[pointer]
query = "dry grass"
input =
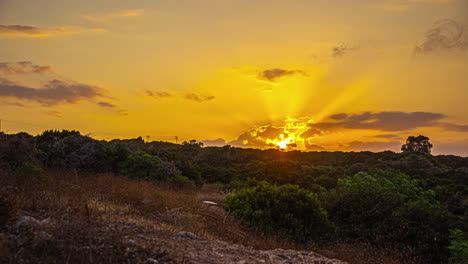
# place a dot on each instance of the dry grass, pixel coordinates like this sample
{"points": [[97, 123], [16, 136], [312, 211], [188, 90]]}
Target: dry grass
{"points": [[82, 206]]}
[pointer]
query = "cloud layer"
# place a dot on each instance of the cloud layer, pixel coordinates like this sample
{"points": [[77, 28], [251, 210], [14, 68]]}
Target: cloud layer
{"points": [[385, 121], [377, 131]]}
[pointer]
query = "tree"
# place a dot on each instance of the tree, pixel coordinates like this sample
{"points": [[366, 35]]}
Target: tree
{"points": [[419, 144]]}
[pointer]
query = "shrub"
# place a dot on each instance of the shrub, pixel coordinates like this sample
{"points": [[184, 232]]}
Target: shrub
{"points": [[389, 208], [285, 210], [181, 181], [142, 165], [458, 247], [29, 171]]}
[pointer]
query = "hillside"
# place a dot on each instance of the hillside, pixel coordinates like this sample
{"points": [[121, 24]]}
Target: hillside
{"points": [[109, 219], [72, 198]]}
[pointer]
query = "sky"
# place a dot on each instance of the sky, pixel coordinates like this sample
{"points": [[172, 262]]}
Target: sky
{"points": [[311, 75]]}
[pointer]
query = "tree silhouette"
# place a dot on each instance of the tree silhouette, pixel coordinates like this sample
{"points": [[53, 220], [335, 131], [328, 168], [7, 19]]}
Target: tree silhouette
{"points": [[419, 144]]}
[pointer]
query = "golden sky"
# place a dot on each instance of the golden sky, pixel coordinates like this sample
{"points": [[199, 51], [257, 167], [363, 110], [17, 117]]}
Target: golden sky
{"points": [[301, 74]]}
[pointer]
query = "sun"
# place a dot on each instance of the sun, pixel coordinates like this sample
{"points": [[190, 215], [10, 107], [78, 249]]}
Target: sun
{"points": [[283, 143]]}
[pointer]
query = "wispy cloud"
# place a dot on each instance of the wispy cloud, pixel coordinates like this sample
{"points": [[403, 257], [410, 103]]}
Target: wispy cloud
{"points": [[199, 98], [341, 50], [127, 13], [446, 34], [274, 74], [106, 104], [23, 67], [158, 94], [18, 31]]}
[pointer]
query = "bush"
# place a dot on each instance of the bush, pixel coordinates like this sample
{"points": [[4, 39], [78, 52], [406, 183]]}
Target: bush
{"points": [[390, 209], [286, 210], [142, 165], [458, 247], [181, 182], [29, 171]]}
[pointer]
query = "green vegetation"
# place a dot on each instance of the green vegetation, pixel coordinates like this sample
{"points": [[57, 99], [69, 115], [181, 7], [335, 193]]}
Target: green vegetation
{"points": [[411, 202], [285, 210]]}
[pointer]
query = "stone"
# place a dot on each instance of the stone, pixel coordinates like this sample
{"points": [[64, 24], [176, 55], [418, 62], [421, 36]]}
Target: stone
{"points": [[187, 235]]}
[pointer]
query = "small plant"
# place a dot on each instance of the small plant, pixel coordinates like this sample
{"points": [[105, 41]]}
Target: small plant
{"points": [[157, 195], [29, 171]]}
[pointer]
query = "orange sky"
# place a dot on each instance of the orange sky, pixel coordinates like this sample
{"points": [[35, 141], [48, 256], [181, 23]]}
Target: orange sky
{"points": [[310, 75]]}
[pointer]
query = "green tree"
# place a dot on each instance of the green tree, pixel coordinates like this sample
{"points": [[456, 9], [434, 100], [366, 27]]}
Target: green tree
{"points": [[419, 144]]}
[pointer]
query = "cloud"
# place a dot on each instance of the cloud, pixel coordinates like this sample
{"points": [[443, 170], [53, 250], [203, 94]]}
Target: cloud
{"points": [[214, 143], [110, 16], [341, 50], [106, 104], [23, 67], [273, 74], [54, 113], [52, 93], [160, 94], [21, 30], [454, 127], [14, 31], [388, 136], [199, 98], [446, 34], [385, 121]]}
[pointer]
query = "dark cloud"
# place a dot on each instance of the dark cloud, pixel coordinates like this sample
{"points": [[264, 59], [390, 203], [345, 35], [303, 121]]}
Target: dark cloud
{"points": [[160, 94], [19, 29], [388, 136], [199, 98], [53, 93], [446, 34], [341, 50], [341, 116], [214, 143], [274, 74], [454, 127], [106, 104], [385, 121], [314, 147], [22, 67]]}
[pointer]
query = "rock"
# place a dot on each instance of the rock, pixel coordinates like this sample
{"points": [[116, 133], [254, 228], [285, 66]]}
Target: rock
{"points": [[146, 201], [131, 243], [28, 223], [151, 261], [185, 234]]}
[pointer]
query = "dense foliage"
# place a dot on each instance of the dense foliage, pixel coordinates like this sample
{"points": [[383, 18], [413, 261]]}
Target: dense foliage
{"points": [[412, 200], [285, 210]]}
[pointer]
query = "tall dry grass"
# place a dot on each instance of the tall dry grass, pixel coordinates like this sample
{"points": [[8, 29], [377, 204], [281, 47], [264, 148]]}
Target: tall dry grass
{"points": [[82, 209]]}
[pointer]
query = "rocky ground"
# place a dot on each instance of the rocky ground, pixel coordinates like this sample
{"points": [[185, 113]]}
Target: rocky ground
{"points": [[131, 243]]}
